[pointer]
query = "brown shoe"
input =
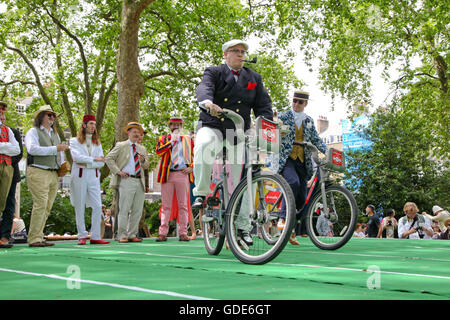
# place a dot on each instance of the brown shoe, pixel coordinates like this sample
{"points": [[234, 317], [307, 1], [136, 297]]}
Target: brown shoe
{"points": [[123, 240], [40, 244], [135, 239], [184, 237], [161, 238]]}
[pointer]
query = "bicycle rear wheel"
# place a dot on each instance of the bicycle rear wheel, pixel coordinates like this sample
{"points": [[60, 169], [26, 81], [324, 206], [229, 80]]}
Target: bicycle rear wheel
{"points": [[331, 230], [269, 190], [213, 225]]}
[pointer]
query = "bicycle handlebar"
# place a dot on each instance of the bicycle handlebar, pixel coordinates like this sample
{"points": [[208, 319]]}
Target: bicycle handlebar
{"points": [[233, 116], [315, 151]]}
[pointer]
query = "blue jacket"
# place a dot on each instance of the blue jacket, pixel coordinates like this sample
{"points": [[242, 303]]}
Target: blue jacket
{"points": [[309, 134]]}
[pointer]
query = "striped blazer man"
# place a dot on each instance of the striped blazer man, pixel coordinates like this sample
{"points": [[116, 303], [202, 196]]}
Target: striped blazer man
{"points": [[164, 150]]}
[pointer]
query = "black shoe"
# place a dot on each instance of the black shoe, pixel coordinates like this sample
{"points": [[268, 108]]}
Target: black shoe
{"points": [[245, 236], [198, 203]]}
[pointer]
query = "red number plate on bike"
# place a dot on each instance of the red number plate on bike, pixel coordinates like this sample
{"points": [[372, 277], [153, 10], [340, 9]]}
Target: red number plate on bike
{"points": [[337, 157], [269, 131]]}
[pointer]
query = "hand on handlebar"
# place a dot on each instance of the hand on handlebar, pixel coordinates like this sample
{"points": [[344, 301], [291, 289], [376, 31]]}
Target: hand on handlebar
{"points": [[214, 109]]}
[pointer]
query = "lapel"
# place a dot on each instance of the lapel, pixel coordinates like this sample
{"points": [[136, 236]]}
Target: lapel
{"points": [[243, 79], [228, 76]]}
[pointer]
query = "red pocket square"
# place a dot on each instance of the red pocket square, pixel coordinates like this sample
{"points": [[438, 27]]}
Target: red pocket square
{"points": [[251, 86]]}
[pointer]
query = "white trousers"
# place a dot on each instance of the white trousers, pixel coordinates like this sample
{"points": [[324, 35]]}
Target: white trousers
{"points": [[208, 144], [85, 192]]}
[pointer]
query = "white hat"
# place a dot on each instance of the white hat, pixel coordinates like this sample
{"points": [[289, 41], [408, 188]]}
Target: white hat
{"points": [[233, 43], [436, 209]]}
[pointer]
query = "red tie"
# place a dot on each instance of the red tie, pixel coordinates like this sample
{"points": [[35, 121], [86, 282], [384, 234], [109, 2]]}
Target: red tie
{"points": [[137, 165], [237, 73]]}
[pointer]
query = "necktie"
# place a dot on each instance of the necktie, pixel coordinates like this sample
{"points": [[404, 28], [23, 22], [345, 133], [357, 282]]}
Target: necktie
{"points": [[137, 165], [236, 73]]}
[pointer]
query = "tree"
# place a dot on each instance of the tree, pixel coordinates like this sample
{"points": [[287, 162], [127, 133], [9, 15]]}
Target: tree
{"points": [[399, 166], [350, 37], [81, 63]]}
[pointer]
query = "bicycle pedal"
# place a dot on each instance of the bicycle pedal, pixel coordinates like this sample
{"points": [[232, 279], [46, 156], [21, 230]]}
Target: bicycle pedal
{"points": [[243, 245], [213, 201]]}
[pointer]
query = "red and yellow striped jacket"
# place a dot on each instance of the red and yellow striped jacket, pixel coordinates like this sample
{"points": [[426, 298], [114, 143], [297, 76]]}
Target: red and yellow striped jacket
{"points": [[4, 137], [164, 150]]}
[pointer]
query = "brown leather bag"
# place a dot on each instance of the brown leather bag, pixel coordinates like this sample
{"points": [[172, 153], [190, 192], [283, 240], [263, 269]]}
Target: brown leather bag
{"points": [[65, 167]]}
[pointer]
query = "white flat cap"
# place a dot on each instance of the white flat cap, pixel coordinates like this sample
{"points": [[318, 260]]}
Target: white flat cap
{"points": [[233, 43]]}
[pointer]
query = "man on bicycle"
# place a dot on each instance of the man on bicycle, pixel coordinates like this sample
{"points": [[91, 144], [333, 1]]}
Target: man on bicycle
{"points": [[295, 163], [240, 89]]}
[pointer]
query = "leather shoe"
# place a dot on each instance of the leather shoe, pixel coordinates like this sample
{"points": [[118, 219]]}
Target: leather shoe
{"points": [[184, 237], [5, 244], [81, 241], [198, 203], [123, 240], [40, 244], [135, 239], [98, 242], [161, 238]]}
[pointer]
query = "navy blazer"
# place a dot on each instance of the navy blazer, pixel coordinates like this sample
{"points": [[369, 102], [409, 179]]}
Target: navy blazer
{"points": [[248, 93], [16, 159]]}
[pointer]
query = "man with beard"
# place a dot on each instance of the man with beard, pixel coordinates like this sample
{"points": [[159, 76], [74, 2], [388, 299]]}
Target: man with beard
{"points": [[45, 156], [175, 176]]}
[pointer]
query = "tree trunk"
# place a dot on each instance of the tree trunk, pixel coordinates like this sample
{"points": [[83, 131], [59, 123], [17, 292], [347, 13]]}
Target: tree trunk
{"points": [[130, 85]]}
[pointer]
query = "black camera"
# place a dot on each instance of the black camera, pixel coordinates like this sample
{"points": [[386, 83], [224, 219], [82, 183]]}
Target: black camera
{"points": [[389, 223]]}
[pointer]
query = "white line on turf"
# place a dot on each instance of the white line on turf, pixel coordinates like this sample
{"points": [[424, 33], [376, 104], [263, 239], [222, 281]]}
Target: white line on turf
{"points": [[114, 285]]}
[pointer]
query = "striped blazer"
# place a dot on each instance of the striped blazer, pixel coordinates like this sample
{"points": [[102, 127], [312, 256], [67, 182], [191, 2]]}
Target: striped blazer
{"points": [[164, 150]]}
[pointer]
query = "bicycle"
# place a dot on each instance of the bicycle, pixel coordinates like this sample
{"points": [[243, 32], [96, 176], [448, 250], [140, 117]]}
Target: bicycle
{"points": [[224, 212], [332, 215]]}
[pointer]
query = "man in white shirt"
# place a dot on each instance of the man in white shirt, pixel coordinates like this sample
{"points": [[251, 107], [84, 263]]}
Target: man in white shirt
{"points": [[413, 225], [45, 156], [9, 147]]}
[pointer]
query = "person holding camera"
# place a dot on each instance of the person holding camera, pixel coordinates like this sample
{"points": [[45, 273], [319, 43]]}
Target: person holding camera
{"points": [[413, 225], [389, 224]]}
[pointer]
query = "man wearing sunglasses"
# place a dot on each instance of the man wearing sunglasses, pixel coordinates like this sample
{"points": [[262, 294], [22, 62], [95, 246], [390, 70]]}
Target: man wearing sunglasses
{"points": [[45, 156], [235, 87], [295, 163], [9, 148]]}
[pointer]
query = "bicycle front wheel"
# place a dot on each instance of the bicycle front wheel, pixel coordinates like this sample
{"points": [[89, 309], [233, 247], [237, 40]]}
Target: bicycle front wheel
{"points": [[269, 192], [331, 230]]}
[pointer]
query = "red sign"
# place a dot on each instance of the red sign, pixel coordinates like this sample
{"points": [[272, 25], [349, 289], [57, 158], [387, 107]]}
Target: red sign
{"points": [[272, 196], [269, 131], [336, 157]]}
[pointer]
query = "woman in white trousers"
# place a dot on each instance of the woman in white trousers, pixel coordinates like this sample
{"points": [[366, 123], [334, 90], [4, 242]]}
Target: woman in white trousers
{"points": [[87, 155]]}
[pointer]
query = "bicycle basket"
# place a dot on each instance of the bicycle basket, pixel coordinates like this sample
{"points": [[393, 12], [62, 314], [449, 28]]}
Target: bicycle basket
{"points": [[335, 160], [267, 135]]}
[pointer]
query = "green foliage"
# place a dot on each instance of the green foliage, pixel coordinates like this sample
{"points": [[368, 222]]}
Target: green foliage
{"points": [[399, 167]]}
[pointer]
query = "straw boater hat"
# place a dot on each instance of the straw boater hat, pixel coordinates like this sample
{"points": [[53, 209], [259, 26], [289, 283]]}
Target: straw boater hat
{"points": [[233, 43], [300, 94], [44, 108], [447, 222], [132, 125]]}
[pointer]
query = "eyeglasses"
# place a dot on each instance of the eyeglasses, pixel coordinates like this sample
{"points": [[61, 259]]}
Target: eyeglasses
{"points": [[50, 115], [299, 101], [238, 51]]}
